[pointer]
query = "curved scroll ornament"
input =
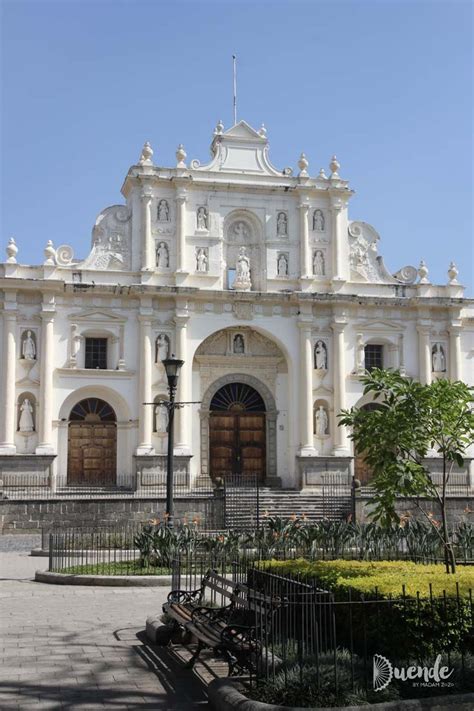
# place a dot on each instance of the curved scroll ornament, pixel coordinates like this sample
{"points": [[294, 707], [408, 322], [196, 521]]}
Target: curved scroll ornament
{"points": [[195, 164], [110, 240], [406, 275], [64, 255], [363, 251]]}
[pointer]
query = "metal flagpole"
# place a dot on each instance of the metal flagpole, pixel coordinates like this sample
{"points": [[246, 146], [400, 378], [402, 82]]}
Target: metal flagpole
{"points": [[234, 60]]}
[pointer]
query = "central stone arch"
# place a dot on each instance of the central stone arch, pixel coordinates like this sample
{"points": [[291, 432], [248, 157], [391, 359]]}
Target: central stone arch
{"points": [[270, 416]]}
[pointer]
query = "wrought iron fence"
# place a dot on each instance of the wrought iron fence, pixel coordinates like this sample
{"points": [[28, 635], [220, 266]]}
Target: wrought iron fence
{"points": [[241, 501]]}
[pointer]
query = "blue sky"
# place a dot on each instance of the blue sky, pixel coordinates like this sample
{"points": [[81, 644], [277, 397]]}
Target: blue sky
{"points": [[386, 85]]}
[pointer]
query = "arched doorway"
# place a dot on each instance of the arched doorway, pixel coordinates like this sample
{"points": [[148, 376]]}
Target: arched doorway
{"points": [[237, 432], [92, 444]]}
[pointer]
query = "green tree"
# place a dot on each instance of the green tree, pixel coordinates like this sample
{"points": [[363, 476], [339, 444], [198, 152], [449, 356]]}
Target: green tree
{"points": [[396, 438]]}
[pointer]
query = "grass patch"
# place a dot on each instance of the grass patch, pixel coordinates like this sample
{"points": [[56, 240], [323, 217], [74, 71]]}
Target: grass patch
{"points": [[115, 568]]}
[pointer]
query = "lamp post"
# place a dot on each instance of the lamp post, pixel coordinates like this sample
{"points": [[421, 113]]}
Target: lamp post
{"points": [[172, 367]]}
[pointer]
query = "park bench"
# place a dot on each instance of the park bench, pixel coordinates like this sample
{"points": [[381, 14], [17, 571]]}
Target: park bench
{"points": [[233, 631]]}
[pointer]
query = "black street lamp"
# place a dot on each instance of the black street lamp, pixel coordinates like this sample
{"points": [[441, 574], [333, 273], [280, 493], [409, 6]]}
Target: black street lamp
{"points": [[172, 367]]}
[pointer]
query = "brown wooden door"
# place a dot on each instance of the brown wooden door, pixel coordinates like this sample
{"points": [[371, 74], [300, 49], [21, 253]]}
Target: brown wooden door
{"points": [[92, 454], [237, 444]]}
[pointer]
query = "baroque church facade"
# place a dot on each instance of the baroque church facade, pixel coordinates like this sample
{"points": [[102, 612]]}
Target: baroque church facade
{"points": [[260, 282]]}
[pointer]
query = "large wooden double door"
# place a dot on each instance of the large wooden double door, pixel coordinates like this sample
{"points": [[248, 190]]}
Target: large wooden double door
{"points": [[237, 444], [92, 445]]}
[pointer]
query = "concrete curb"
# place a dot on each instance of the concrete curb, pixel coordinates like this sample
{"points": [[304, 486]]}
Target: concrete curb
{"points": [[226, 695], [39, 552], [138, 581]]}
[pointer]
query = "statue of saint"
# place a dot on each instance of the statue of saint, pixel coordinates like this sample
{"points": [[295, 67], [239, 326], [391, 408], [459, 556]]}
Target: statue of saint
{"points": [[318, 263], [282, 265], [321, 421], [318, 221], [201, 260], [161, 419], [438, 359], [243, 266], [28, 349], [239, 345], [26, 423], [163, 211], [162, 256], [240, 231], [320, 356], [162, 348], [201, 218], [282, 224]]}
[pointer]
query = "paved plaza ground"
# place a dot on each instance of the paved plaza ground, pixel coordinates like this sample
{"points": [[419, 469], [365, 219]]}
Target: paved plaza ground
{"points": [[69, 647]]}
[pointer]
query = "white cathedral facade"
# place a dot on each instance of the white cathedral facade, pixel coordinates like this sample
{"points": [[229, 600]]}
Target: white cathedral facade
{"points": [[255, 277]]}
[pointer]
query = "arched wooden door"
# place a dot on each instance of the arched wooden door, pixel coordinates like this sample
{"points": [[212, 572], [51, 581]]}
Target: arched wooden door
{"points": [[237, 432], [92, 444]]}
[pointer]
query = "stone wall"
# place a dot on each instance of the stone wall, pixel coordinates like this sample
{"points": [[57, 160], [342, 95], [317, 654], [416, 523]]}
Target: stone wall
{"points": [[32, 516], [459, 508]]}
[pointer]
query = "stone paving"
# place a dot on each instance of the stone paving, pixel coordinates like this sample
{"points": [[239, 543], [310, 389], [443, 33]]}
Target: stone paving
{"points": [[68, 647]]}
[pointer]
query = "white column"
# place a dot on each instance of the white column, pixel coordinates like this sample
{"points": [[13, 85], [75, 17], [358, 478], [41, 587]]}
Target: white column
{"points": [[401, 355], [45, 440], [144, 388], [184, 419], [180, 230], [7, 444], [341, 447], [424, 351], [306, 390], [148, 261], [304, 240], [455, 367], [337, 271]]}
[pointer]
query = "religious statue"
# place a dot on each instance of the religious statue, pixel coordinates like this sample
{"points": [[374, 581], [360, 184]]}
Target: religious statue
{"points": [[161, 418], [201, 260], [321, 419], [28, 348], [318, 263], [318, 221], [242, 277], [201, 218], [320, 356], [438, 359], [162, 348], [26, 422], [240, 231], [162, 256], [239, 344], [282, 224], [163, 211], [282, 265]]}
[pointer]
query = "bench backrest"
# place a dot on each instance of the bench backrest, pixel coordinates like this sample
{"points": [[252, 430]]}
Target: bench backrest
{"points": [[222, 590]]}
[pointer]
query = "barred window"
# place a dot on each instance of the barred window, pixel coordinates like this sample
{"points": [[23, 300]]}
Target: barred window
{"points": [[96, 353], [373, 356]]}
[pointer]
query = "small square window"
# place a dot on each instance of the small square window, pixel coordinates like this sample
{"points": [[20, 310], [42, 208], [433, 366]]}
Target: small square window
{"points": [[373, 356], [96, 353]]}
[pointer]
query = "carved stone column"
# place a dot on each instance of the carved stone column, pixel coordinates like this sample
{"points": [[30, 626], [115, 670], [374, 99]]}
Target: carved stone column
{"points": [[341, 447], [424, 353], [148, 260], [306, 390], [401, 355], [181, 230], [121, 347], [144, 390], [336, 239], [7, 443], [304, 240], [455, 366], [184, 433], [45, 440]]}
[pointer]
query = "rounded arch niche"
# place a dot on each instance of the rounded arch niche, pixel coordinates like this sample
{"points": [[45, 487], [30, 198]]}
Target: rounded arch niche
{"points": [[242, 228], [247, 414]]}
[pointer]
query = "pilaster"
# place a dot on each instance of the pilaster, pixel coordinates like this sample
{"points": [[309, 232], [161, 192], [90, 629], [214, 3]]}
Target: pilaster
{"points": [[306, 388], [304, 240], [424, 352], [45, 440], [184, 428], [341, 445], [148, 260], [145, 426], [181, 197], [7, 433]]}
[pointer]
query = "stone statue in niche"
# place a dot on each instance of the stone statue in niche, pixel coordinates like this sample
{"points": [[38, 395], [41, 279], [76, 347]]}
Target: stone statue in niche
{"points": [[162, 256], [161, 419], [318, 221], [242, 277], [26, 422], [163, 211], [282, 265], [438, 359], [162, 347], [239, 344], [201, 260], [318, 263], [240, 231], [320, 356], [28, 347], [201, 218], [321, 421], [282, 225]]}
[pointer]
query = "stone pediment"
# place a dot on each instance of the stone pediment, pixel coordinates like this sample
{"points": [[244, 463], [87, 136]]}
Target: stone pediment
{"points": [[240, 149], [381, 325], [97, 317]]}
